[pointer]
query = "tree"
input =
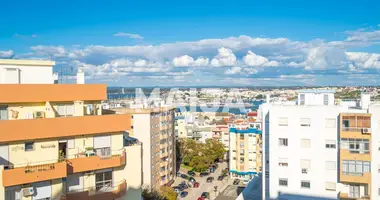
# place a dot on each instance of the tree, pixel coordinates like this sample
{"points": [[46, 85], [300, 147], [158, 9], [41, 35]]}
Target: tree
{"points": [[168, 193], [259, 96], [151, 194]]}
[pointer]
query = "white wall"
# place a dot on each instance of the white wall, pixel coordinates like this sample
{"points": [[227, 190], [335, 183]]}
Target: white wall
{"points": [[30, 74], [141, 130], [375, 153], [317, 153], [316, 98]]}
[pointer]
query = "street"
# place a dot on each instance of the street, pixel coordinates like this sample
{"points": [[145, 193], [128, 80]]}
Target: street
{"points": [[194, 193]]}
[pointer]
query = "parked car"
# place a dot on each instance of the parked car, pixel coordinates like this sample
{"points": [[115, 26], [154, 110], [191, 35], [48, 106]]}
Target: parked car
{"points": [[178, 174], [212, 169], [205, 195], [220, 178], [191, 173], [184, 194], [177, 189], [184, 176], [196, 185], [192, 179], [202, 174], [236, 182], [183, 186], [200, 198], [210, 179]]}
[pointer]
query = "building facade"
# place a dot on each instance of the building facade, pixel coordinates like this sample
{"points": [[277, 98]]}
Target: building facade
{"points": [[245, 152], [154, 127], [56, 144]]}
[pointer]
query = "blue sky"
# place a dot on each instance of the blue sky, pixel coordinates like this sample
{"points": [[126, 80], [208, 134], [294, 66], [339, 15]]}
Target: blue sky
{"points": [[241, 42]]}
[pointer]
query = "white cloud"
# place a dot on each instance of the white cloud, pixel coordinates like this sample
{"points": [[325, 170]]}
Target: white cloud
{"points": [[364, 60], [233, 70], [49, 51], [225, 57], [297, 76], [201, 62], [251, 71], [189, 72], [6, 54], [183, 61], [253, 60], [361, 35], [130, 35]]}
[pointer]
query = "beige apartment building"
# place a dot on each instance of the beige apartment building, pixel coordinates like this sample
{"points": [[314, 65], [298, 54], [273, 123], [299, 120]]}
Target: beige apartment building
{"points": [[55, 142], [154, 127]]}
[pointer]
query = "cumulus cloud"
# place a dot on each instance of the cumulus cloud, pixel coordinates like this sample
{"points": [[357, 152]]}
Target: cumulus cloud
{"points": [[183, 61], [49, 51], [225, 57], [363, 60], [233, 70], [129, 35], [6, 54], [253, 60]]}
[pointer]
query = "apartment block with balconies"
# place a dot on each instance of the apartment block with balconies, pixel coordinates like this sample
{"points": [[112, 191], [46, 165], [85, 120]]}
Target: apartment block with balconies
{"points": [[245, 152], [55, 144], [154, 127], [355, 155]]}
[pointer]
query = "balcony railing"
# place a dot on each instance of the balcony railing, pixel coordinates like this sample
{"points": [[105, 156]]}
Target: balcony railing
{"points": [[112, 191], [33, 172], [99, 159]]}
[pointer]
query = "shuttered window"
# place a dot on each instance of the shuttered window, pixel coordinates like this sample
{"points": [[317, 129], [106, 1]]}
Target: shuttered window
{"points": [[330, 186], [305, 121], [305, 164], [305, 143]]}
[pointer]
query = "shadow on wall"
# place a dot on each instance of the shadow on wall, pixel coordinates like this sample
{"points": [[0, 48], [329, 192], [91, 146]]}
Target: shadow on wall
{"points": [[288, 196]]}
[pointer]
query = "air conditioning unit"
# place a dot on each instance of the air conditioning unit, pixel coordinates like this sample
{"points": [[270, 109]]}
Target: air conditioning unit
{"points": [[304, 171], [366, 130], [27, 191], [39, 114]]}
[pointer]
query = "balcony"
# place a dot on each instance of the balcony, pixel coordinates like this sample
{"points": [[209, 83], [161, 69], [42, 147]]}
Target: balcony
{"points": [[355, 126], [112, 192], [348, 197], [364, 178], [34, 173], [346, 154], [97, 161], [32, 129], [39, 93]]}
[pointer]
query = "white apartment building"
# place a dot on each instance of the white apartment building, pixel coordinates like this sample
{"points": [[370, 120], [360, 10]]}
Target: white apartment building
{"points": [[310, 146]]}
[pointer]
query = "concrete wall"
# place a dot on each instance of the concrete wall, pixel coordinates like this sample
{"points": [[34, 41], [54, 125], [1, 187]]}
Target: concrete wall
{"points": [[142, 131], [30, 74], [375, 153], [19, 157], [316, 98], [131, 172]]}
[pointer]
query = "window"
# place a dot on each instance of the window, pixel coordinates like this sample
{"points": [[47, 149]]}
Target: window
{"points": [[283, 142], [242, 145], [65, 110], [3, 113], [305, 143], [250, 135], [305, 184], [330, 165], [330, 123], [283, 121], [103, 181], [330, 186], [330, 144], [242, 136], [325, 99], [302, 99], [70, 143], [356, 145], [283, 162], [241, 160], [29, 146], [305, 164], [283, 182], [233, 150], [355, 167], [305, 121], [354, 191], [233, 158]]}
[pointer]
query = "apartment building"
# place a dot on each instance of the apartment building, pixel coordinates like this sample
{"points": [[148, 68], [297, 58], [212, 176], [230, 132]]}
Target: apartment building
{"points": [[56, 144], [315, 149], [245, 152], [154, 127]]}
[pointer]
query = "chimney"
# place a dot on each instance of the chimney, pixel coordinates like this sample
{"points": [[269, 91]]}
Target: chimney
{"points": [[80, 76], [365, 100]]}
